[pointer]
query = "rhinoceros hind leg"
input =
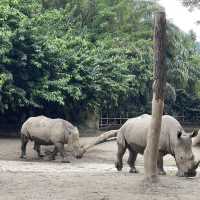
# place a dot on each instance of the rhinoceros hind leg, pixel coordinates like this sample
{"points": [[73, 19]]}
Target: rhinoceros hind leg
{"points": [[161, 170], [24, 141], [131, 161], [120, 153]]}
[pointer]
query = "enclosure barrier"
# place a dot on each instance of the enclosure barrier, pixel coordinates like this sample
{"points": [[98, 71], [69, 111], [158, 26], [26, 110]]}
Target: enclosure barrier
{"points": [[117, 122]]}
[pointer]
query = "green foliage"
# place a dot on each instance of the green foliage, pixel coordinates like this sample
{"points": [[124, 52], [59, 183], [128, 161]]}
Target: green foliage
{"points": [[72, 56], [184, 67], [187, 105], [191, 3]]}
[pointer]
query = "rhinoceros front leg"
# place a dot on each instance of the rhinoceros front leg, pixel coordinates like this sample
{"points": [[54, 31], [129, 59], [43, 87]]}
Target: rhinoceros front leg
{"points": [[161, 170], [120, 153], [131, 161], [59, 147], [38, 150]]}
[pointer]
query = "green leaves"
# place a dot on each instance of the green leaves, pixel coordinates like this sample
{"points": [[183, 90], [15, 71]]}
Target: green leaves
{"points": [[75, 56]]}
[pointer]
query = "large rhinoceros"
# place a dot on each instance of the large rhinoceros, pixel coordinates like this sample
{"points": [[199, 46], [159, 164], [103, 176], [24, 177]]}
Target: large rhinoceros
{"points": [[46, 131], [173, 140]]}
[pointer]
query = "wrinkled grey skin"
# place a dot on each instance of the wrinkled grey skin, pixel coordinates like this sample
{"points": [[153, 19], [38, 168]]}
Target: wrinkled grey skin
{"points": [[46, 131], [173, 140]]}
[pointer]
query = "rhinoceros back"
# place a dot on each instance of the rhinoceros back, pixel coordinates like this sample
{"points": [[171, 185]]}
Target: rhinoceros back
{"points": [[44, 129], [134, 132]]}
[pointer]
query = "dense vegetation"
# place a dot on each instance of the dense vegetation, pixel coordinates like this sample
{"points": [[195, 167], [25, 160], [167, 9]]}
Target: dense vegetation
{"points": [[191, 3], [66, 58]]}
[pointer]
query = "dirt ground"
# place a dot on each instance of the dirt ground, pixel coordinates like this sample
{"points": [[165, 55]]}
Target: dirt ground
{"points": [[93, 177]]}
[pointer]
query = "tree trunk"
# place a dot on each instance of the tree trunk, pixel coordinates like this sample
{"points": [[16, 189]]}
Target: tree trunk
{"points": [[151, 151]]}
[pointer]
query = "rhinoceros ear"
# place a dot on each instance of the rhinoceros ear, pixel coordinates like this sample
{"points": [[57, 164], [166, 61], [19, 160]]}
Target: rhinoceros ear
{"points": [[194, 133], [179, 133]]}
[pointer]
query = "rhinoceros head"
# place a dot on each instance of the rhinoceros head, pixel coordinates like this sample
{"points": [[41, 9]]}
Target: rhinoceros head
{"points": [[183, 154], [77, 149]]}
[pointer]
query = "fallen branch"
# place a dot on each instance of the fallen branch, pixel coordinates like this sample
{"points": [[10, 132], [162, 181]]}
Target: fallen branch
{"points": [[104, 137]]}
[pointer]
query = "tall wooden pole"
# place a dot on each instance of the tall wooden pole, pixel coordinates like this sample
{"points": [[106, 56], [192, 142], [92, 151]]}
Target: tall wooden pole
{"points": [[151, 151]]}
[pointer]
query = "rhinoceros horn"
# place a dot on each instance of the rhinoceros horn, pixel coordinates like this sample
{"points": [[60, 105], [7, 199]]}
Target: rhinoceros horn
{"points": [[196, 164]]}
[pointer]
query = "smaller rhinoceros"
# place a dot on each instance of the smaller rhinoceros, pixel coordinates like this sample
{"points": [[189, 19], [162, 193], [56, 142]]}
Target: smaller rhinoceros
{"points": [[46, 131], [173, 140]]}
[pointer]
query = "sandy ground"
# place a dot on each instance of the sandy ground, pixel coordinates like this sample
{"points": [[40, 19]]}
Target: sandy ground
{"points": [[91, 178]]}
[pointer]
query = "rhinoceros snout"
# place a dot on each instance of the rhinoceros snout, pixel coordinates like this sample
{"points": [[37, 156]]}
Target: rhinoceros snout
{"points": [[79, 153], [196, 164], [190, 174], [186, 174]]}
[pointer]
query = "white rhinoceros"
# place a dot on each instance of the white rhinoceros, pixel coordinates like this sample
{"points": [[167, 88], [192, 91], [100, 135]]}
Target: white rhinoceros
{"points": [[173, 140], [46, 131]]}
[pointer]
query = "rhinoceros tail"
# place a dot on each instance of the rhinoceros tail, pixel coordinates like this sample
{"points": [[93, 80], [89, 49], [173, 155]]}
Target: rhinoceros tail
{"points": [[121, 139], [23, 129], [24, 132], [24, 138]]}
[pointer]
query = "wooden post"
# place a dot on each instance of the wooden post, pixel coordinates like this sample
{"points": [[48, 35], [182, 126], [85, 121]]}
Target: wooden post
{"points": [[151, 151]]}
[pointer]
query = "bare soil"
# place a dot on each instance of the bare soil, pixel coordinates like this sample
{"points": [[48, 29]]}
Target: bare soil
{"points": [[93, 177]]}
